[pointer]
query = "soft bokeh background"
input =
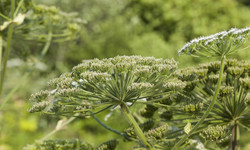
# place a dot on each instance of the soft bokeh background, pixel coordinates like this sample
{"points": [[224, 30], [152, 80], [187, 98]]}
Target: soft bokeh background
{"points": [[109, 28]]}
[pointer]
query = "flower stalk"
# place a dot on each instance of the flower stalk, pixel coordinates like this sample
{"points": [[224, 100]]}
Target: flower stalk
{"points": [[137, 129], [235, 136]]}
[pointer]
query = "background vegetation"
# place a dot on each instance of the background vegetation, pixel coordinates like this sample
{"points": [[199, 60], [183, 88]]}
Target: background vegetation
{"points": [[106, 28]]}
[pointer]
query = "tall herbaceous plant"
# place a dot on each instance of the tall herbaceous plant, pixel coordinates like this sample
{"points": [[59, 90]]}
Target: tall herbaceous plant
{"points": [[97, 85], [221, 45], [210, 101]]}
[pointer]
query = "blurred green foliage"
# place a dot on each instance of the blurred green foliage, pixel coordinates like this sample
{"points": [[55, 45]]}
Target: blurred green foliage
{"points": [[108, 28]]}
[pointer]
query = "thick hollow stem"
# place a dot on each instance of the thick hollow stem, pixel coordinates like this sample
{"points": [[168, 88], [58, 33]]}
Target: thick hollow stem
{"points": [[137, 129], [236, 137], [183, 139]]}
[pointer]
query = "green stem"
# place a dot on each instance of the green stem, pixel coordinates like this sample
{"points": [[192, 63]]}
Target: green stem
{"points": [[137, 129], [110, 129], [235, 136], [1, 50], [47, 45], [178, 144], [5, 17], [18, 7], [10, 32]]}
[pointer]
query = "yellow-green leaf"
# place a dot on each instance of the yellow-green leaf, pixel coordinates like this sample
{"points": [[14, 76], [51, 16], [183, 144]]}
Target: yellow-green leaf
{"points": [[188, 128]]}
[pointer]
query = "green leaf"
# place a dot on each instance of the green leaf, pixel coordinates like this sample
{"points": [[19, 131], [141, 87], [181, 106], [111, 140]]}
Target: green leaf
{"points": [[188, 128]]}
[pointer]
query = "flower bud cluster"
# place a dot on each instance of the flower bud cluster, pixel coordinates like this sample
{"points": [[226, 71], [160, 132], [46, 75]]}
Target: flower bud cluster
{"points": [[246, 66], [235, 71], [175, 85], [122, 78], [218, 44], [143, 71], [186, 74], [215, 133], [92, 76], [226, 91], [245, 82], [42, 9], [40, 106], [157, 133], [141, 86], [109, 145], [191, 74], [61, 82], [190, 108], [37, 97], [213, 78], [212, 67], [67, 92], [62, 26], [130, 132]]}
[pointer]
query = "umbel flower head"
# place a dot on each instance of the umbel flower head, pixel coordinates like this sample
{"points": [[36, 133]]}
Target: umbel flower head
{"points": [[233, 101], [220, 44], [95, 85]]}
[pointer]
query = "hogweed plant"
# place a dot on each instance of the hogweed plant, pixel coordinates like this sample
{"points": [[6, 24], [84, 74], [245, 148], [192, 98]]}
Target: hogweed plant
{"points": [[32, 22], [97, 85], [231, 110], [211, 101], [222, 45]]}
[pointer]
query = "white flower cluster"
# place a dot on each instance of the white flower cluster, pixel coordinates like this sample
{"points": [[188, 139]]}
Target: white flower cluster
{"points": [[235, 71], [140, 66], [245, 82], [140, 86], [67, 92], [218, 44], [175, 85], [39, 106], [95, 76], [247, 99], [39, 96], [122, 78]]}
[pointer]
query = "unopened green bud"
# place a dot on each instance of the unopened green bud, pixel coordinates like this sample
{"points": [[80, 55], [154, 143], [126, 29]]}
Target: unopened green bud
{"points": [[245, 82], [215, 133], [191, 108], [235, 71], [40, 96], [143, 71], [140, 86], [158, 133], [39, 106], [226, 91], [247, 99], [67, 92], [110, 145], [175, 85], [95, 76]]}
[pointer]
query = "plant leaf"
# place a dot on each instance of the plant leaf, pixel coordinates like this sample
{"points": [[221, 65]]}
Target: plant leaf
{"points": [[188, 128], [17, 21]]}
